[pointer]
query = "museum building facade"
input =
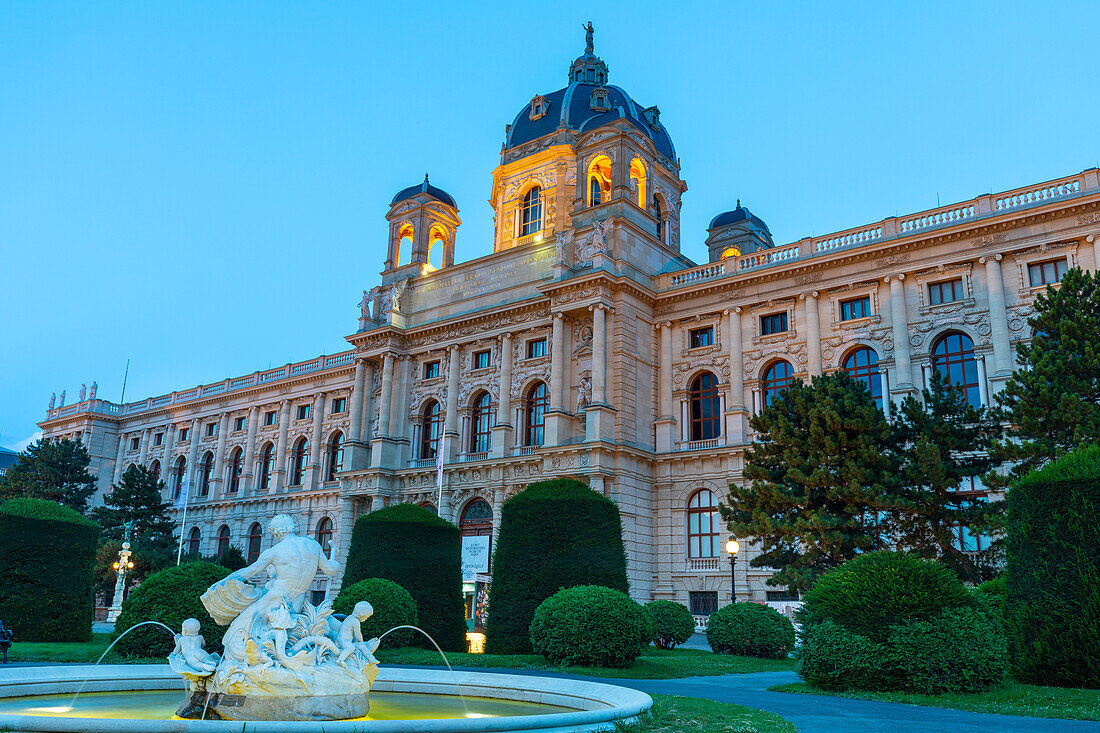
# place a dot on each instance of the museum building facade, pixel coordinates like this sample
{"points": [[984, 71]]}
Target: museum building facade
{"points": [[586, 345]]}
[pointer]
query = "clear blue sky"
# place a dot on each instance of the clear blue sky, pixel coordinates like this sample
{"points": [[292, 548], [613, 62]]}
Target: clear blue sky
{"points": [[201, 187]]}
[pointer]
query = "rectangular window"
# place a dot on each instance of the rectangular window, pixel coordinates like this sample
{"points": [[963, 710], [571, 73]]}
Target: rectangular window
{"points": [[303, 412], [135, 443], [850, 310], [703, 602], [339, 404], [947, 291], [183, 434], [536, 348], [782, 595], [158, 439], [1046, 273], [774, 323], [701, 337], [238, 424], [211, 429], [269, 417], [431, 370], [482, 359]]}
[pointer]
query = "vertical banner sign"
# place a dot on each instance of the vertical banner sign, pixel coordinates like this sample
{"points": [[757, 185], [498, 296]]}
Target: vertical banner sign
{"points": [[182, 503], [475, 557]]}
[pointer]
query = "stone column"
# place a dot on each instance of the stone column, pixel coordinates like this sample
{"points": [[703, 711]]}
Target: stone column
{"points": [[813, 333], [502, 430], [249, 452], [316, 452], [983, 389], [216, 481], [738, 414], [355, 407], [899, 325], [121, 456], [599, 355], [144, 455], [557, 363], [166, 458], [1094, 240], [355, 449], [666, 419], [193, 455], [397, 397], [368, 405], [998, 317], [450, 427], [386, 401], [278, 475]]}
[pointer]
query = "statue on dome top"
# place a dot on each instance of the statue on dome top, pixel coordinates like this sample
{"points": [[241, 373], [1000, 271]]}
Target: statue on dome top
{"points": [[588, 37]]}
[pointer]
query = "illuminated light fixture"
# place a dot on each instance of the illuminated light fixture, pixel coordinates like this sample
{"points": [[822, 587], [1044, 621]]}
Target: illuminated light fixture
{"points": [[476, 642]]}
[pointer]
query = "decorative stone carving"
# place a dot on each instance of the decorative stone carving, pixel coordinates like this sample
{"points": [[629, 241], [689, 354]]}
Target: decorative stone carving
{"points": [[595, 244]]}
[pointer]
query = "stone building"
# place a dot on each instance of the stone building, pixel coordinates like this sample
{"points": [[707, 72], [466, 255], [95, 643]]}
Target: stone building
{"points": [[585, 344]]}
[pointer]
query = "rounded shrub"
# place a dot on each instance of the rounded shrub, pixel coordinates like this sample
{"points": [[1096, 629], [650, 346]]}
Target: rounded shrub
{"points": [[890, 621], [590, 625], [420, 552], [992, 594], [47, 560], [554, 534], [1052, 552], [393, 606], [169, 596], [750, 630], [673, 622]]}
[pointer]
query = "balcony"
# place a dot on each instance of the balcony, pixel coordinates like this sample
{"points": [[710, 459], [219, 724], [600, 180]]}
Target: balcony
{"points": [[703, 564], [701, 444], [473, 457]]}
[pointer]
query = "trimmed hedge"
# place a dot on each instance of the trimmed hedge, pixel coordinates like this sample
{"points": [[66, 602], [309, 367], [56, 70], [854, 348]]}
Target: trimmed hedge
{"points": [[589, 625], [674, 623], [169, 596], [420, 552], [1052, 607], [889, 621], [555, 534], [47, 558], [750, 630], [393, 606]]}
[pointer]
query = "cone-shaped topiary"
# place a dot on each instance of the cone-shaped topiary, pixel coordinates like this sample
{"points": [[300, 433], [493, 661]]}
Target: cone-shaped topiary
{"points": [[589, 625], [674, 623], [47, 555], [420, 552], [555, 534], [750, 630], [392, 604]]}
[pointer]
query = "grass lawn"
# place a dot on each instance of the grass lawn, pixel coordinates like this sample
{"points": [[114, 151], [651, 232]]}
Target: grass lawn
{"points": [[59, 651], [1011, 698], [671, 714], [654, 664]]}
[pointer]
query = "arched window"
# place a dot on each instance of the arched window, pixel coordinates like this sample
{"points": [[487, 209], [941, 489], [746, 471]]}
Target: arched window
{"points": [[154, 468], [298, 459], [403, 255], [599, 180], [482, 425], [267, 465], [236, 465], [436, 248], [953, 358], [429, 430], [658, 213], [532, 212], [704, 526], [477, 519], [638, 179], [206, 468], [430, 507], [335, 456], [194, 541], [535, 413], [706, 411], [324, 535], [223, 540], [730, 252], [777, 377], [255, 537], [862, 364], [177, 477]]}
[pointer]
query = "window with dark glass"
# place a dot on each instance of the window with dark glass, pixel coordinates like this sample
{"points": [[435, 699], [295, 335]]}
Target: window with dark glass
{"points": [[335, 456], [339, 404], [704, 526], [184, 432], [953, 357], [158, 439], [255, 538], [1046, 273], [238, 424], [773, 323], [303, 412], [135, 443], [855, 308], [862, 364], [947, 291], [236, 465], [269, 417], [782, 595], [536, 348], [429, 430], [429, 506], [177, 477], [776, 378], [537, 400], [431, 370], [194, 541], [206, 469], [154, 468], [482, 432], [594, 191], [223, 540], [701, 337], [532, 212], [267, 465], [211, 429], [660, 221], [324, 535], [706, 412], [482, 359], [298, 459], [703, 602]]}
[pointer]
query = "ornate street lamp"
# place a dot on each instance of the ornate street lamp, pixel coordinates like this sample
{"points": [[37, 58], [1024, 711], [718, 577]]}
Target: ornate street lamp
{"points": [[732, 548]]}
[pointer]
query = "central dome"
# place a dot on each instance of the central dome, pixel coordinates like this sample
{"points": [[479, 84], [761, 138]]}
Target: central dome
{"points": [[586, 104]]}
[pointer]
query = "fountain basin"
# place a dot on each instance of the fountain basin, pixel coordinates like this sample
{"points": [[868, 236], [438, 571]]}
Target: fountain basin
{"points": [[590, 706]]}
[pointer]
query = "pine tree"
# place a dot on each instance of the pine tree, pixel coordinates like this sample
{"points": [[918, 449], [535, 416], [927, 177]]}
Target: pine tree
{"points": [[942, 444], [822, 477], [137, 497], [1052, 400], [51, 470]]}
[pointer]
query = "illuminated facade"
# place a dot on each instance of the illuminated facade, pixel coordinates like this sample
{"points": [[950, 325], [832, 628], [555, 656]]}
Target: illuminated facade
{"points": [[587, 345]]}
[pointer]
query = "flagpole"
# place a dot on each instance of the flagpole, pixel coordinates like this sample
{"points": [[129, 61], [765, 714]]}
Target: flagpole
{"points": [[186, 498]]}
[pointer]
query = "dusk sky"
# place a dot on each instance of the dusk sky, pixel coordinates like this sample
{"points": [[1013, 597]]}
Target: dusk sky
{"points": [[201, 187]]}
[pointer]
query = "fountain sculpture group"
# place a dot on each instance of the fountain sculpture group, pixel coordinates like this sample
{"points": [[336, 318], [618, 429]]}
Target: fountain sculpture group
{"points": [[285, 659]]}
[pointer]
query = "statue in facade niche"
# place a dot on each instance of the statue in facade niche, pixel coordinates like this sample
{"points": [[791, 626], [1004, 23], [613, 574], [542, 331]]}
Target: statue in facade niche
{"points": [[285, 658], [564, 242], [95, 387], [595, 244], [584, 393]]}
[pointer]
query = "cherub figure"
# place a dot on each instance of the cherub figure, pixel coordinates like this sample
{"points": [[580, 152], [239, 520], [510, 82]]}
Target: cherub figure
{"points": [[350, 636], [188, 658]]}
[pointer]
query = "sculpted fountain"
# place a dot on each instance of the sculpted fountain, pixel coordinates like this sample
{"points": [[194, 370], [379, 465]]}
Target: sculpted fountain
{"points": [[285, 659]]}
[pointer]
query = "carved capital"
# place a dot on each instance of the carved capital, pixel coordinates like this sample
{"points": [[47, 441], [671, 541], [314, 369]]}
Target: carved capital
{"points": [[996, 257]]}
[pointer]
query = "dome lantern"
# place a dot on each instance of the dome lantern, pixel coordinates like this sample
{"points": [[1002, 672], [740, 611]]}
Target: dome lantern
{"points": [[588, 68]]}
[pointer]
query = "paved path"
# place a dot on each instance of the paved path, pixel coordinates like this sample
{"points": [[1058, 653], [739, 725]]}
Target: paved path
{"points": [[822, 714]]}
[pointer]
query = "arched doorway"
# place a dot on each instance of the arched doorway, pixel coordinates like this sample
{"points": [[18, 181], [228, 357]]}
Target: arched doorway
{"points": [[476, 531]]}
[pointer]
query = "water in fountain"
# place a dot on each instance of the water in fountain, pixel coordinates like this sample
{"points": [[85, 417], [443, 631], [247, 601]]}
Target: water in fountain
{"points": [[108, 651], [458, 686]]}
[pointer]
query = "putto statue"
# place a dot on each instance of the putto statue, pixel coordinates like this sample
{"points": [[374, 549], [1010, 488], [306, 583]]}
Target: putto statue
{"points": [[285, 659]]}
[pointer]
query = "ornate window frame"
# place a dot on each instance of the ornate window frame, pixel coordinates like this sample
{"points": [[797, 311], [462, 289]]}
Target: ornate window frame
{"points": [[772, 307], [869, 291], [963, 271], [1042, 253]]}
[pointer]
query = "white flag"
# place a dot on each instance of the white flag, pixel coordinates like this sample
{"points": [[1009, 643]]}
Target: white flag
{"points": [[181, 500]]}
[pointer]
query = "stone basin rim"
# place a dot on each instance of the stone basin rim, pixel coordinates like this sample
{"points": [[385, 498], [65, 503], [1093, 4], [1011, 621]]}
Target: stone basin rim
{"points": [[599, 704]]}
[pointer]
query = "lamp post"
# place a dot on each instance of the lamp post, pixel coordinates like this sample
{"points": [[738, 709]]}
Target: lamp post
{"points": [[121, 567], [731, 548]]}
